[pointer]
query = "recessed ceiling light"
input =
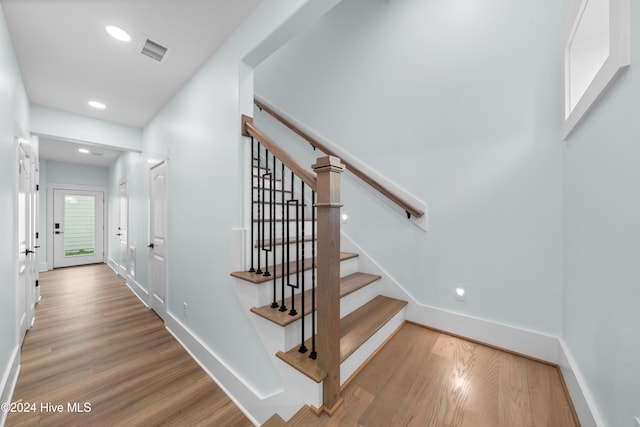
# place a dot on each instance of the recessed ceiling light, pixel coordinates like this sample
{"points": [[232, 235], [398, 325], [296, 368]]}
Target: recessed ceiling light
{"points": [[118, 33], [83, 150], [98, 105]]}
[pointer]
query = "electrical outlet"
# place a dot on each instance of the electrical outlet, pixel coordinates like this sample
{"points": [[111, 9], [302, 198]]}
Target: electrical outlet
{"points": [[185, 308]]}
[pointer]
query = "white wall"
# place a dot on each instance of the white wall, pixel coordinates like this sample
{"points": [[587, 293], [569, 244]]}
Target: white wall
{"points": [[459, 103], [74, 173], [14, 108], [73, 127], [602, 246]]}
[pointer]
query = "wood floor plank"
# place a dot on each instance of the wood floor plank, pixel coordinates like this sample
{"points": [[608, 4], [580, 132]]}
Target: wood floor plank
{"points": [[423, 378], [93, 341]]}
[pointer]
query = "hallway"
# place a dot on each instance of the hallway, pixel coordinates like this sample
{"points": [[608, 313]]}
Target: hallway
{"points": [[96, 356]]}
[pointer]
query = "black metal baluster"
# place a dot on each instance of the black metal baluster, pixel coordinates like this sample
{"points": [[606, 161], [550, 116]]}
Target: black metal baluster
{"points": [[293, 311], [264, 217], [252, 270], [260, 224], [274, 304], [303, 348], [284, 262], [313, 353]]}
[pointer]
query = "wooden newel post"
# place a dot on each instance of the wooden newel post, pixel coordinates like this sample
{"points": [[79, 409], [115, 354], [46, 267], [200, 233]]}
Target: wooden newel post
{"points": [[328, 170]]}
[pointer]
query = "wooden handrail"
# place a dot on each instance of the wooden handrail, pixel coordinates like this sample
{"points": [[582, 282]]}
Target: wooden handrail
{"points": [[248, 129], [408, 207]]}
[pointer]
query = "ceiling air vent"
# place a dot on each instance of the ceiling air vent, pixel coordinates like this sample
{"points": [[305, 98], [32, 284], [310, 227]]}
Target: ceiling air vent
{"points": [[154, 50]]}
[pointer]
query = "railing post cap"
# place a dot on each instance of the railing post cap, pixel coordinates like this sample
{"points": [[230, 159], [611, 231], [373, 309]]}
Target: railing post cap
{"points": [[328, 162], [246, 120]]}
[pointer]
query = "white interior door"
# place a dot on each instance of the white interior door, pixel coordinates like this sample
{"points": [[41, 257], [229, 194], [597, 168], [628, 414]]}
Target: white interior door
{"points": [[123, 230], [25, 292], [78, 227], [158, 263]]}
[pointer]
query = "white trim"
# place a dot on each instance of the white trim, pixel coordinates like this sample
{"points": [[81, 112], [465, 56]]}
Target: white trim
{"points": [[138, 291], [422, 223], [113, 265], [583, 402], [224, 376], [619, 58], [9, 380]]}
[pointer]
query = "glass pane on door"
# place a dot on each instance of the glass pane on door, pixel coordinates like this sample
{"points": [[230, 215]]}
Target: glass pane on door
{"points": [[79, 220]]}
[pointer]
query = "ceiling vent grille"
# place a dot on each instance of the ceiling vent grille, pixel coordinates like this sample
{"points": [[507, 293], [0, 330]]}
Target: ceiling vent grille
{"points": [[154, 50]]}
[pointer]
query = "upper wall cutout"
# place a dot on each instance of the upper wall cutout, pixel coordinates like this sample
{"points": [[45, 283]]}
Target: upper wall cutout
{"points": [[597, 48]]}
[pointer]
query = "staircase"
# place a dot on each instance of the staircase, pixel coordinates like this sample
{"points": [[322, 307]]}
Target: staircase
{"points": [[312, 303]]}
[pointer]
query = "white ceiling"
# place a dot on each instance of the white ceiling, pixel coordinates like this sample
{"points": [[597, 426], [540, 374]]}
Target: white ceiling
{"points": [[67, 58]]}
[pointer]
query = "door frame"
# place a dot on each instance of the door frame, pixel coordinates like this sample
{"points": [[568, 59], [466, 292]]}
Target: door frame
{"points": [[74, 187], [157, 161]]}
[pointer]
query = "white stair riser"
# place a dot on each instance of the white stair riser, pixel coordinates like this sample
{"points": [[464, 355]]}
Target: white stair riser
{"points": [[264, 291], [357, 359], [357, 299], [348, 304], [277, 251]]}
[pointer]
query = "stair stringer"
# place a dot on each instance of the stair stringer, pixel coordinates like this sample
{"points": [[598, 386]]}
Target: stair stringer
{"points": [[297, 389]]}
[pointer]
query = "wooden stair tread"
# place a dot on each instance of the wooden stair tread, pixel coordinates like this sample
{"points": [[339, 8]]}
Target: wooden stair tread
{"points": [[348, 284], [259, 278], [355, 329]]}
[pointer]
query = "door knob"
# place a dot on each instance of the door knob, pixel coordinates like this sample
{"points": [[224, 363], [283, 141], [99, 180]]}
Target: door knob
{"points": [[150, 245]]}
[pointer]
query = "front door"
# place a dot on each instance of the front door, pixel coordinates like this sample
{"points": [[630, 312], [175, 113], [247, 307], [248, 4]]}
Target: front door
{"points": [[78, 231], [158, 238]]}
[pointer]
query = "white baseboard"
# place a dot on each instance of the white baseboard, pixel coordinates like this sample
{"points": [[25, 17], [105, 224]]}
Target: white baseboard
{"points": [[8, 381], [580, 395], [113, 264], [250, 402], [139, 291]]}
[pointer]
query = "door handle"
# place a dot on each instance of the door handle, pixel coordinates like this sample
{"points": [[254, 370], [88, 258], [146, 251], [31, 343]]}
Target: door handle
{"points": [[119, 234], [59, 232], [36, 247], [150, 245], [27, 252]]}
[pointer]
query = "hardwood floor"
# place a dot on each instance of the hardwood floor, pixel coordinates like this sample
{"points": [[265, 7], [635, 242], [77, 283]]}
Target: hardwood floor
{"points": [[427, 378], [94, 342]]}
